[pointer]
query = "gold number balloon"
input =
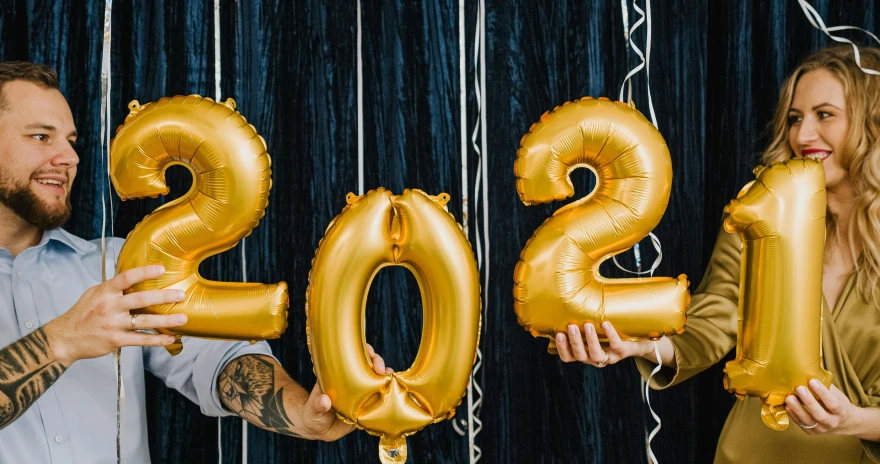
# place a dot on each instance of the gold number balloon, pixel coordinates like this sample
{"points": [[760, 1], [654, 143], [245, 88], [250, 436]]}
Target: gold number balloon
{"points": [[231, 172], [557, 280], [373, 231], [781, 220]]}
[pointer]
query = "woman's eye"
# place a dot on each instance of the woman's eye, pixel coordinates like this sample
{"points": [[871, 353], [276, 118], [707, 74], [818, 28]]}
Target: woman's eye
{"points": [[794, 119], [41, 137], [824, 114]]}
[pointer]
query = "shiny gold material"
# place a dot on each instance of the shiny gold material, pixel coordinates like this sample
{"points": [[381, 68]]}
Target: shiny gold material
{"points": [[415, 231], [231, 172], [557, 280], [781, 220]]}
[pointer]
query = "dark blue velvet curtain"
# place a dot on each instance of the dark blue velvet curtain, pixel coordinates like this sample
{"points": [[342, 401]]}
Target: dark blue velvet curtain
{"points": [[715, 73]]}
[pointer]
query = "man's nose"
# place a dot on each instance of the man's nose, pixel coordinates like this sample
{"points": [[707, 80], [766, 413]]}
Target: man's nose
{"points": [[65, 156]]}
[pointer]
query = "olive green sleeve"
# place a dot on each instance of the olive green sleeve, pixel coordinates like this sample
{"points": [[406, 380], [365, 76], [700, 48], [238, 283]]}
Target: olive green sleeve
{"points": [[710, 332]]}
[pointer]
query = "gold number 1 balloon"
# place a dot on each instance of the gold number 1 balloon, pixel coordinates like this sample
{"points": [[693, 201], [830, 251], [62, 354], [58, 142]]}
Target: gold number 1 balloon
{"points": [[781, 220], [557, 280], [415, 231], [231, 173]]}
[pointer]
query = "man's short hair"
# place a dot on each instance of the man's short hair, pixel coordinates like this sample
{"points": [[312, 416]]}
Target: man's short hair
{"points": [[39, 74]]}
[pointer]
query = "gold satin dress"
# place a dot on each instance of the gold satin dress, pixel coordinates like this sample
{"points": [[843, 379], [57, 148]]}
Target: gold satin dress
{"points": [[851, 350]]}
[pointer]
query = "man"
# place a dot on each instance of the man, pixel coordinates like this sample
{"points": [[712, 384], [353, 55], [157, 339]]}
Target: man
{"points": [[59, 323]]}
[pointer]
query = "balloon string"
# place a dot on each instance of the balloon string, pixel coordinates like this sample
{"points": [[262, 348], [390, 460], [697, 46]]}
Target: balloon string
{"points": [[105, 196], [644, 17], [462, 96], [475, 393], [817, 22], [651, 457], [475, 401], [461, 425], [360, 102], [654, 241], [217, 97]]}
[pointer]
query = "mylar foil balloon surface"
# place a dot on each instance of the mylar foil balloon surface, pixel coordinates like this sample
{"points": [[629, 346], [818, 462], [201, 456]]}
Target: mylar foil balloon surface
{"points": [[373, 231], [781, 220], [231, 172], [557, 280]]}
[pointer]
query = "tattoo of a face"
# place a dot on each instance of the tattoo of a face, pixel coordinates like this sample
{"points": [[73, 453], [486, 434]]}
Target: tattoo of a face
{"points": [[26, 372], [247, 388]]}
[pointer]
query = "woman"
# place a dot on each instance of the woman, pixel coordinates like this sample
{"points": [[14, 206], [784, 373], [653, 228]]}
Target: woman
{"points": [[829, 109]]}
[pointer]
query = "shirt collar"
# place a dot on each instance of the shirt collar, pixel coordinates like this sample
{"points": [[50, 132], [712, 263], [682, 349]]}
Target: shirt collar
{"points": [[72, 241]]}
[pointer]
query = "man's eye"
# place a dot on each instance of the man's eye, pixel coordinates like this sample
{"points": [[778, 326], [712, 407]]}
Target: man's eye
{"points": [[41, 137]]}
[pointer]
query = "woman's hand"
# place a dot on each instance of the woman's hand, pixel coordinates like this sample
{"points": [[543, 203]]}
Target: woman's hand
{"points": [[571, 346], [824, 411]]}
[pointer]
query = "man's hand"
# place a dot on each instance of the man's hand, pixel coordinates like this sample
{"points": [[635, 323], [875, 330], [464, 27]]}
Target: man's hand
{"points": [[259, 390], [100, 322]]}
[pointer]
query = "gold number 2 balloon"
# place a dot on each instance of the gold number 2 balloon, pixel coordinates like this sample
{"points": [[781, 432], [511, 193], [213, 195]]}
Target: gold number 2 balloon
{"points": [[557, 280], [231, 172], [781, 220], [373, 231]]}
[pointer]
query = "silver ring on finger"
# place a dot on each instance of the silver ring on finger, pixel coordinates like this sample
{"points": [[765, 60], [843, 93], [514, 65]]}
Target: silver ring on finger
{"points": [[607, 358], [133, 321], [809, 426]]}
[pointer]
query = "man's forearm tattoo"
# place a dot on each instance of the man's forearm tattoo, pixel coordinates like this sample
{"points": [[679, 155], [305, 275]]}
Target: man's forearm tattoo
{"points": [[247, 388], [26, 372]]}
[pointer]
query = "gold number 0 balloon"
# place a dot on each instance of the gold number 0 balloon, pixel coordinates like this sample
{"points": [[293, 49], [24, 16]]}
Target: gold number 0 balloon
{"points": [[231, 172], [374, 231], [557, 280], [781, 219]]}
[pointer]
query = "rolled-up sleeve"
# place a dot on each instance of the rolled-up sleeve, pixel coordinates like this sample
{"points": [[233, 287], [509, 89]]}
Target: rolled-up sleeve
{"points": [[195, 370]]}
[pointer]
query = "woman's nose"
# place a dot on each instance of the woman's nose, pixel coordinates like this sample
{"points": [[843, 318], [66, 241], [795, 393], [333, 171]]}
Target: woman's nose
{"points": [[807, 133]]}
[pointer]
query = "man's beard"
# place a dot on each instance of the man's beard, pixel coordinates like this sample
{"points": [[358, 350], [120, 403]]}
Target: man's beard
{"points": [[30, 207]]}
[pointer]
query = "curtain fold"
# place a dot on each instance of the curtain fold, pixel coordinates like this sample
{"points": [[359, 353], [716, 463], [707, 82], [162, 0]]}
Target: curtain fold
{"points": [[716, 70]]}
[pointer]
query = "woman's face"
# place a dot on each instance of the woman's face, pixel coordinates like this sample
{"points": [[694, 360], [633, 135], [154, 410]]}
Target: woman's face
{"points": [[818, 123]]}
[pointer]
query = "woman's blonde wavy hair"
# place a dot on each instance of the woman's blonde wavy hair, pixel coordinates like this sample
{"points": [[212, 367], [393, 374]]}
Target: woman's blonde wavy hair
{"points": [[860, 156]]}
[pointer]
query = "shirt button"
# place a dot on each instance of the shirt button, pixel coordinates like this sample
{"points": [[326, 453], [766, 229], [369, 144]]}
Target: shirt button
{"points": [[29, 324], [58, 438], [18, 274]]}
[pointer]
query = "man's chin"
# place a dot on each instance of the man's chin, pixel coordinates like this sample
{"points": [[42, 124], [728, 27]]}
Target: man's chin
{"points": [[36, 211]]}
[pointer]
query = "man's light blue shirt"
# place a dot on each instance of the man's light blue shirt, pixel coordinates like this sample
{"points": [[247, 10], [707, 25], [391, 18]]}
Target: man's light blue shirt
{"points": [[74, 421]]}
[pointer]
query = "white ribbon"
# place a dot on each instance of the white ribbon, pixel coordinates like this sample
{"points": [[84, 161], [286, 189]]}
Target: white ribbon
{"points": [[816, 21], [474, 425], [646, 57], [654, 432], [360, 102], [645, 16], [654, 241], [107, 196]]}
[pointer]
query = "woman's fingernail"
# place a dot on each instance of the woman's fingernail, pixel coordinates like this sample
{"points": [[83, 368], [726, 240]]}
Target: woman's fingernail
{"points": [[588, 329], [802, 390], [815, 383], [179, 295], [181, 319]]}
